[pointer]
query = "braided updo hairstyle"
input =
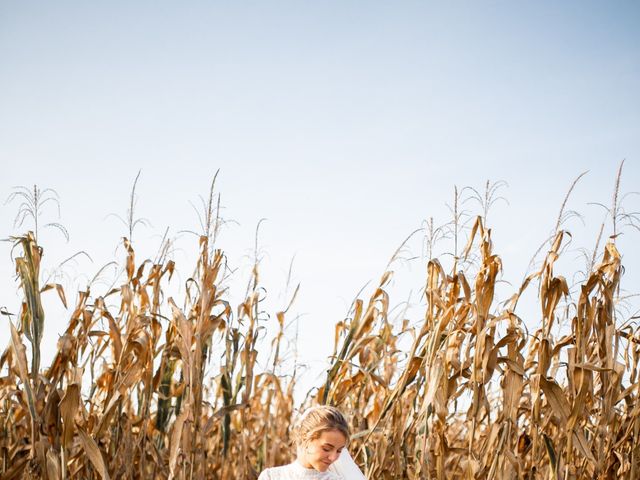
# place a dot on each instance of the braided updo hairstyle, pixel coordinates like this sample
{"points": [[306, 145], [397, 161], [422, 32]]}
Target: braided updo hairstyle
{"points": [[316, 420]]}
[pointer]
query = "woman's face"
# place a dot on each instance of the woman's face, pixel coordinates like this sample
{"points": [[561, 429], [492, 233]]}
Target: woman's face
{"points": [[321, 452]]}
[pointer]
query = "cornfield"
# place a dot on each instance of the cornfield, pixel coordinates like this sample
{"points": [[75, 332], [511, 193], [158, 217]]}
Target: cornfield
{"points": [[145, 386]]}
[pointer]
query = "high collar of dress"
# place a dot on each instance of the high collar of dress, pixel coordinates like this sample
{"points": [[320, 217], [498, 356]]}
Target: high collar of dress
{"points": [[308, 472]]}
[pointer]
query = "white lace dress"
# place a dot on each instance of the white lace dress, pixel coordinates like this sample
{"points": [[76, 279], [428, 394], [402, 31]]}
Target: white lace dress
{"points": [[295, 471]]}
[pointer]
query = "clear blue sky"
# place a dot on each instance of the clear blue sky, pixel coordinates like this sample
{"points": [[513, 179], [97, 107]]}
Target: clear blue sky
{"points": [[345, 124]]}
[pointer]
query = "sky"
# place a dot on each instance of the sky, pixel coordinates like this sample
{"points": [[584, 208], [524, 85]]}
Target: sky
{"points": [[344, 124]]}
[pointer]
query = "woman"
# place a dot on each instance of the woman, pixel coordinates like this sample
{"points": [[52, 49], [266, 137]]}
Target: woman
{"points": [[321, 435]]}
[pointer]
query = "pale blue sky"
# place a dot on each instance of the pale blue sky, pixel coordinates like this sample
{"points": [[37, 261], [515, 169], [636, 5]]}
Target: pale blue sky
{"points": [[343, 123]]}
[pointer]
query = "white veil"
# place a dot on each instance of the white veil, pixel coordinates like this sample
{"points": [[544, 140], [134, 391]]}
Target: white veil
{"points": [[346, 468]]}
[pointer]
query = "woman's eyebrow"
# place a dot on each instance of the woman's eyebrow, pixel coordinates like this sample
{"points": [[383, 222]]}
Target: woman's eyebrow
{"points": [[328, 445]]}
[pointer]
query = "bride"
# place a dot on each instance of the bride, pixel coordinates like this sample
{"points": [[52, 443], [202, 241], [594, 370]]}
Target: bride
{"points": [[321, 436]]}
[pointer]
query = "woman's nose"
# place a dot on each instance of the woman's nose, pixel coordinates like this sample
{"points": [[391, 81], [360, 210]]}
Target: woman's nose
{"points": [[334, 456]]}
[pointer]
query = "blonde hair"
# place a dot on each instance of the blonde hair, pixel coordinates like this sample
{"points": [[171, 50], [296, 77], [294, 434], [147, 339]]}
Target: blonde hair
{"points": [[316, 420]]}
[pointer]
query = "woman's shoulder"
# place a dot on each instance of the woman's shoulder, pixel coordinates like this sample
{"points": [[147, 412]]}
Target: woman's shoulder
{"points": [[275, 473], [293, 472]]}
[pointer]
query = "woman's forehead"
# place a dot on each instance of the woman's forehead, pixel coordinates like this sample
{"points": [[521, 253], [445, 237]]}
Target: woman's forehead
{"points": [[334, 437]]}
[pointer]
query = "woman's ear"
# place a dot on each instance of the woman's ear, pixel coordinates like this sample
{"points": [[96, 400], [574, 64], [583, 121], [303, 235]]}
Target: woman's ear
{"points": [[303, 448]]}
